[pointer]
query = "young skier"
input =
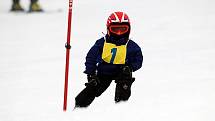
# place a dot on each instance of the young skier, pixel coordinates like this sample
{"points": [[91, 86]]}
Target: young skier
{"points": [[113, 57]]}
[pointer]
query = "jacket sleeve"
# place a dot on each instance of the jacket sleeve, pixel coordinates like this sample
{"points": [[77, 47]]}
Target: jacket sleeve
{"points": [[92, 57], [136, 59]]}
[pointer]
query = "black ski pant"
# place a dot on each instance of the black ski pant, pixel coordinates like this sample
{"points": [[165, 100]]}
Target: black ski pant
{"points": [[88, 94]]}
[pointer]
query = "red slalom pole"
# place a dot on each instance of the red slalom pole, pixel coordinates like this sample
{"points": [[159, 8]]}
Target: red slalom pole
{"points": [[68, 46]]}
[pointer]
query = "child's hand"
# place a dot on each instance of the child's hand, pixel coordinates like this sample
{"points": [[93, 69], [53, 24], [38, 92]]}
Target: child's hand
{"points": [[93, 80]]}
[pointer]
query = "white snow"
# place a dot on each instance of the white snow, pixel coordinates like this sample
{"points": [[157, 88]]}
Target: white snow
{"points": [[176, 82]]}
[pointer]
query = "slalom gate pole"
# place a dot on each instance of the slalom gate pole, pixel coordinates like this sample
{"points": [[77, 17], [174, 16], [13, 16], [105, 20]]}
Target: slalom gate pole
{"points": [[68, 46]]}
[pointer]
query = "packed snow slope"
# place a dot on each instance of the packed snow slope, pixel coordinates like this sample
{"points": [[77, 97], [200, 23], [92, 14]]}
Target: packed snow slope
{"points": [[176, 82]]}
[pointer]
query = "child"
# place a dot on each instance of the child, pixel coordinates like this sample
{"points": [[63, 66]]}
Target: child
{"points": [[33, 7], [113, 57]]}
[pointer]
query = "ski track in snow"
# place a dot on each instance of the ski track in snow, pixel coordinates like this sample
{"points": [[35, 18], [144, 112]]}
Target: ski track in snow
{"points": [[176, 82]]}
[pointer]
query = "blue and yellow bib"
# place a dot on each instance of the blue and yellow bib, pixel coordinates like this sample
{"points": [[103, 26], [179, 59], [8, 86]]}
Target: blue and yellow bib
{"points": [[114, 54]]}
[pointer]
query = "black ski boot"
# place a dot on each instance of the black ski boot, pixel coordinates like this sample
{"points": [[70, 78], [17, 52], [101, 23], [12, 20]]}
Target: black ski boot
{"points": [[16, 7], [35, 7]]}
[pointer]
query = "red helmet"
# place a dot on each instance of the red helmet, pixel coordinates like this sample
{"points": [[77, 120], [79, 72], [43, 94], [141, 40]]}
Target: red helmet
{"points": [[118, 24]]}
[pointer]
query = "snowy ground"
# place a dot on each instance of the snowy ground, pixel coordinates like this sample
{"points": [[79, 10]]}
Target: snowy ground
{"points": [[176, 83]]}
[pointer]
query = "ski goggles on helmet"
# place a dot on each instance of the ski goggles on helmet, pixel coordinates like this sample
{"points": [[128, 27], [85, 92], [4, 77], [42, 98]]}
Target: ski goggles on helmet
{"points": [[119, 29]]}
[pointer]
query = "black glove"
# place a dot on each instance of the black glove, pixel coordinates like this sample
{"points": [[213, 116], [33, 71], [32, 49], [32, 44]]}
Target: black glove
{"points": [[126, 72], [93, 80]]}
